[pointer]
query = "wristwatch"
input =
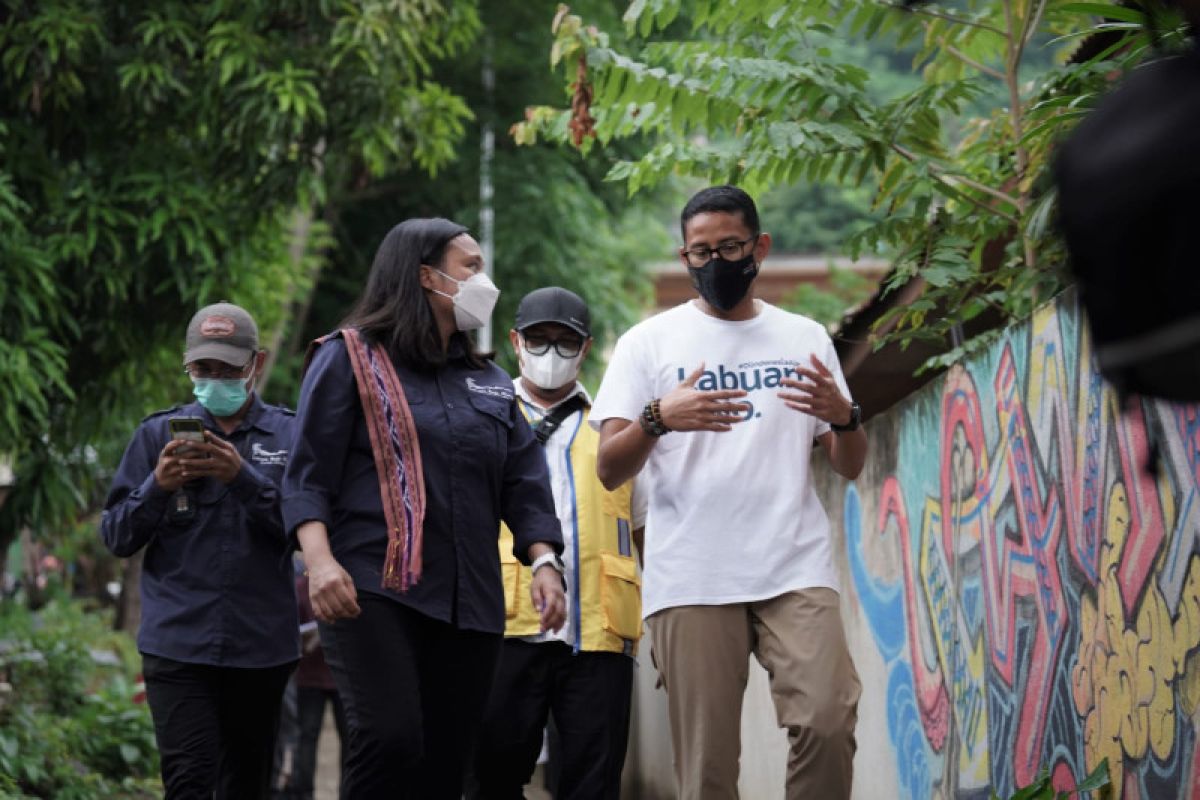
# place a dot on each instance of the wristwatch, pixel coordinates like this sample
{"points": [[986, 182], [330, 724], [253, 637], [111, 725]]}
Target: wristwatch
{"points": [[553, 560], [855, 420]]}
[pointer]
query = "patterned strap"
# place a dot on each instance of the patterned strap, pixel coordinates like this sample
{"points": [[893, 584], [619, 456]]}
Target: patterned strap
{"points": [[397, 452]]}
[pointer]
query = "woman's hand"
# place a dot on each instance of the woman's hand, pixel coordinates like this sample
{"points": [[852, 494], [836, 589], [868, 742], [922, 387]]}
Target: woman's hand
{"points": [[331, 591], [548, 596], [330, 587]]}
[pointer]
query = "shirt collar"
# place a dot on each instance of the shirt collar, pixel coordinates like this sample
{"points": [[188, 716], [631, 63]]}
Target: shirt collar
{"points": [[519, 388]]}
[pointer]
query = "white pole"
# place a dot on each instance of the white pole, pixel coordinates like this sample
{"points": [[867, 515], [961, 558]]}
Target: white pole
{"points": [[487, 216]]}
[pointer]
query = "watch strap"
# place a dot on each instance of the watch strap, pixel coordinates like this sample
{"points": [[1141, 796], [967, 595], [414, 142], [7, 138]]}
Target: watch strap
{"points": [[855, 420], [550, 558]]}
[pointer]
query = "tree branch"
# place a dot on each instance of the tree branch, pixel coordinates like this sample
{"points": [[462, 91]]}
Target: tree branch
{"points": [[1032, 24], [1016, 44], [947, 17], [943, 175], [966, 59]]}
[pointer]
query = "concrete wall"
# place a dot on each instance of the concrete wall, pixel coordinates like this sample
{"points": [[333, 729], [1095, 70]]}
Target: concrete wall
{"points": [[1018, 590]]}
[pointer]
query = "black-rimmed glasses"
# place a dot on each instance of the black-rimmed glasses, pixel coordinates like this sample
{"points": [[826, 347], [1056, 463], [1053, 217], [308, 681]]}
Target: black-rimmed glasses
{"points": [[226, 372], [568, 347], [732, 250]]}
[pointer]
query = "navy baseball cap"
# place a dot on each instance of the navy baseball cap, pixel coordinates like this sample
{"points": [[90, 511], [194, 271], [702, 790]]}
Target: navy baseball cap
{"points": [[554, 304]]}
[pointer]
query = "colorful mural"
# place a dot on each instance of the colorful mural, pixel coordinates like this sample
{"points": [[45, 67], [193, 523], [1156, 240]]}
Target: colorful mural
{"points": [[1031, 585]]}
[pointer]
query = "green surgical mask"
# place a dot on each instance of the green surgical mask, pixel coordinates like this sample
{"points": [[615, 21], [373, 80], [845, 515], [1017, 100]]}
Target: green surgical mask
{"points": [[222, 397]]}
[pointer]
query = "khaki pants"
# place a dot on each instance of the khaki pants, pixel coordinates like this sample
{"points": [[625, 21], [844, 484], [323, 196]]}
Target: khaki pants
{"points": [[703, 656]]}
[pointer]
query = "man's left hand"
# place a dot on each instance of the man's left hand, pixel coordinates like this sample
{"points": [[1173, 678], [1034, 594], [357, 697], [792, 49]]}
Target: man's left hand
{"points": [[548, 597], [212, 458], [819, 396]]}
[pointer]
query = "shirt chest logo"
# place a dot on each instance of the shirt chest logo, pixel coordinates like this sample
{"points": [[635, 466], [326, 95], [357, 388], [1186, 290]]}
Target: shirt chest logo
{"points": [[501, 392], [269, 458]]}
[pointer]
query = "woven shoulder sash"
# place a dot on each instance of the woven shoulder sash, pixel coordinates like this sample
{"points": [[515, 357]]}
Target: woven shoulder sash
{"points": [[397, 457]]}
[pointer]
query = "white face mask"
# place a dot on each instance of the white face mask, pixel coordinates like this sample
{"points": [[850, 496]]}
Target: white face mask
{"points": [[474, 301], [549, 371]]}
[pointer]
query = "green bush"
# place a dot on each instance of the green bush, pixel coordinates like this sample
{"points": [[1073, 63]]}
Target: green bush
{"points": [[69, 729]]}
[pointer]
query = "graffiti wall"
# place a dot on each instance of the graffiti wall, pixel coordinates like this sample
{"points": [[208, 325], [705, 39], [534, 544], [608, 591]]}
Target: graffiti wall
{"points": [[1025, 554]]}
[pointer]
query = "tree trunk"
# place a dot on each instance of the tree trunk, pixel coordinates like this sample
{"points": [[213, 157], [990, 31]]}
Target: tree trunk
{"points": [[302, 219], [129, 606]]}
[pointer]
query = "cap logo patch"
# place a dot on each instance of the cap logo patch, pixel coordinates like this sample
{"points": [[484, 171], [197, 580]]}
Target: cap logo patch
{"points": [[217, 326]]}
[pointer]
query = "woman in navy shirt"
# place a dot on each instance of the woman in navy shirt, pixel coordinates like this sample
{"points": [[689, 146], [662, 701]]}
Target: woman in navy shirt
{"points": [[414, 663]]}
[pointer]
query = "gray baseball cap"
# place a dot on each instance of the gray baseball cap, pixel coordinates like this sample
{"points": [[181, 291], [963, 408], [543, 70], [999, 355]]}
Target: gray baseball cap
{"points": [[554, 304], [224, 332]]}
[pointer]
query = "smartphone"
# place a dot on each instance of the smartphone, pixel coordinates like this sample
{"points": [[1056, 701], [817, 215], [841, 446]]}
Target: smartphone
{"points": [[189, 429]]}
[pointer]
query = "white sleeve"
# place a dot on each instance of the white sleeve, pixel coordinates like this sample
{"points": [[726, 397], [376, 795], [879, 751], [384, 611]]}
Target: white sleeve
{"points": [[625, 387], [638, 503]]}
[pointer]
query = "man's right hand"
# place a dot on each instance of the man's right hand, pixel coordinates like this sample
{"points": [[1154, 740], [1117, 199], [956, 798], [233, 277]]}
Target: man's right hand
{"points": [[168, 472], [331, 591], [686, 408]]}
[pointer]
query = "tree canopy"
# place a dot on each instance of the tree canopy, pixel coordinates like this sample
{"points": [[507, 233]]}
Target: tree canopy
{"points": [[957, 164], [556, 221], [153, 156]]}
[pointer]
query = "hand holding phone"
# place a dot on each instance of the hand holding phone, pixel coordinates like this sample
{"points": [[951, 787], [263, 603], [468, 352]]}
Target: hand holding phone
{"points": [[169, 471], [187, 429]]}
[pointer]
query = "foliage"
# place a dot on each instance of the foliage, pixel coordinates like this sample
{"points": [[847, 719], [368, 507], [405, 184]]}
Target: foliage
{"points": [[815, 217], [958, 165], [70, 728], [1043, 787], [556, 221], [829, 305], [152, 155]]}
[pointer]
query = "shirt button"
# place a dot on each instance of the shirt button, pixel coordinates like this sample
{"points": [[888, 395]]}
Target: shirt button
{"points": [[449, 405]]}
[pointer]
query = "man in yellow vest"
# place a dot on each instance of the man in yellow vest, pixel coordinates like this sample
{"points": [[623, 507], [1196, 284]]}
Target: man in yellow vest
{"points": [[583, 673]]}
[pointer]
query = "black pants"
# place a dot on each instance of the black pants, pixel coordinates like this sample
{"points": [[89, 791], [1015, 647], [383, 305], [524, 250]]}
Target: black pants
{"points": [[589, 696], [215, 726], [414, 691]]}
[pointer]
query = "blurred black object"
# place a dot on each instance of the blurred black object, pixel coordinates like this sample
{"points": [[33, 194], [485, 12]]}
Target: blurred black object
{"points": [[1129, 200]]}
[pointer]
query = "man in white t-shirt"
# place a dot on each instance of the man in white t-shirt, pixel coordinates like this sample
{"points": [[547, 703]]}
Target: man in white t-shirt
{"points": [[717, 403]]}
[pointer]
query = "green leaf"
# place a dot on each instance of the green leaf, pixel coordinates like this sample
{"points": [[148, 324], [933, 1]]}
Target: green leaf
{"points": [[1105, 10], [1097, 779]]}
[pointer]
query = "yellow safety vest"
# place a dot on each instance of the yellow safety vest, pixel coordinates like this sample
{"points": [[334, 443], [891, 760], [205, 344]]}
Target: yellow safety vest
{"points": [[606, 597]]}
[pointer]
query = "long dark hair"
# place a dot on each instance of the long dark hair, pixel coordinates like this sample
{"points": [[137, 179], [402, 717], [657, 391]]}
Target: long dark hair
{"points": [[393, 310]]}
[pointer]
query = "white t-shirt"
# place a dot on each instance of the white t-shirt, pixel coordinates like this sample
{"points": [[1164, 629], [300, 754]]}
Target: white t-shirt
{"points": [[733, 516]]}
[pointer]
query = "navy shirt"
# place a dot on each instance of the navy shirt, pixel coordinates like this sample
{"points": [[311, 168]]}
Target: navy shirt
{"points": [[481, 464], [217, 582]]}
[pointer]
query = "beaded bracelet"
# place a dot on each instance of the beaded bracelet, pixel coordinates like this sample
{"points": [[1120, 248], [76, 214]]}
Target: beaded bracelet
{"points": [[651, 420]]}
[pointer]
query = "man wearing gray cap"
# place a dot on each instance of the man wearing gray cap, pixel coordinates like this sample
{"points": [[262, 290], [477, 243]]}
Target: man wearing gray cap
{"points": [[581, 674], [198, 489]]}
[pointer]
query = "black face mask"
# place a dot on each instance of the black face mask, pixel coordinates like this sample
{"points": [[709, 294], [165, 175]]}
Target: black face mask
{"points": [[723, 283]]}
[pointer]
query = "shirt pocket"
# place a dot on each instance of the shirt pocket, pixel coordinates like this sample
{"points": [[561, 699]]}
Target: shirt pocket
{"points": [[492, 422], [621, 595]]}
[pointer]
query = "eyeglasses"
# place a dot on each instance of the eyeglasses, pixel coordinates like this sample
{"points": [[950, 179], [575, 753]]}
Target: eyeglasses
{"points": [[225, 373], [700, 255], [568, 347]]}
